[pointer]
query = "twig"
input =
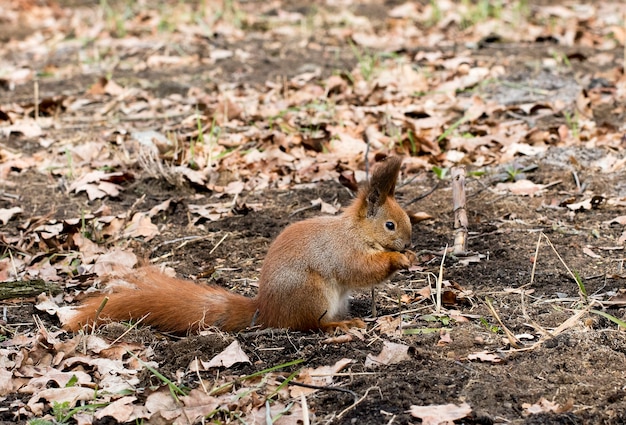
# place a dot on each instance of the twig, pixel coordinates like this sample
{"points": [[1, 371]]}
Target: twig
{"points": [[305, 410], [460, 213], [130, 328], [327, 388], [512, 340], [36, 94], [423, 195], [440, 282], [535, 258], [347, 409], [184, 240], [218, 243], [571, 273], [299, 210]]}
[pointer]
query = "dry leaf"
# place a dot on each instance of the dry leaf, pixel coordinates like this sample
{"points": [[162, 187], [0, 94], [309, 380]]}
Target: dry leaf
{"points": [[121, 410], [116, 261], [389, 326], [618, 220], [320, 376], [419, 216], [231, 355], [442, 414], [444, 338], [485, 356], [141, 226], [70, 395], [7, 214], [391, 353], [521, 187], [545, 406], [588, 251]]}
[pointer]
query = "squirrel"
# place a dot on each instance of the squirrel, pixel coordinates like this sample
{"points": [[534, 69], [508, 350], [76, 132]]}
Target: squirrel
{"points": [[306, 278]]}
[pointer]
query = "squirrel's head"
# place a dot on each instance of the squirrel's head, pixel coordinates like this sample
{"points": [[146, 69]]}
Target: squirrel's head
{"points": [[387, 226]]}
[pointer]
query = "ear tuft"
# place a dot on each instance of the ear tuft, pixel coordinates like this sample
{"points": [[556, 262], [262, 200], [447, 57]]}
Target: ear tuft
{"points": [[382, 184], [385, 174]]}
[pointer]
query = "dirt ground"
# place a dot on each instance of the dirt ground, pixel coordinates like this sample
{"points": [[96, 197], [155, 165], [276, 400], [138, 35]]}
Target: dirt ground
{"points": [[565, 354]]}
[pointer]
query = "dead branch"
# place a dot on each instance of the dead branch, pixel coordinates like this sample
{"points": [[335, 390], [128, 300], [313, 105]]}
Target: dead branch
{"points": [[27, 288]]}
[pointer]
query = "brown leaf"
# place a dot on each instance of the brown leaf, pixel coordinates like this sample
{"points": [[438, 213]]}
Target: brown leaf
{"points": [[231, 355], [444, 338], [389, 326], [522, 187], [116, 261], [320, 376], [121, 410], [485, 356], [442, 414], [391, 353], [545, 406], [141, 226], [7, 214]]}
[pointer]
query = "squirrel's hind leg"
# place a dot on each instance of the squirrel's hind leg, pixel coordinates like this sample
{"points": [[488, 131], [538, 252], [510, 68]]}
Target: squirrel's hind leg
{"points": [[343, 325]]}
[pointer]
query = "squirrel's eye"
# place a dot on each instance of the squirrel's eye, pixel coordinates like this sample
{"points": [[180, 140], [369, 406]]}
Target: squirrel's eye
{"points": [[390, 225]]}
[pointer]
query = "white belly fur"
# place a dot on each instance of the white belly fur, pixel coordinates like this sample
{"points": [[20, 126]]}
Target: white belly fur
{"points": [[337, 302]]}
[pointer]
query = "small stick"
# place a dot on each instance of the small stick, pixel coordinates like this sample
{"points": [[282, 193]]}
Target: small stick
{"points": [[440, 282], [512, 340], [98, 311], [218, 244], [36, 90], [305, 410], [347, 409], [460, 213], [374, 310]]}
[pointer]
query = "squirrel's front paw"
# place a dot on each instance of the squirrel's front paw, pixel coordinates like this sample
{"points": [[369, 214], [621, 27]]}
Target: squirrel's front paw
{"points": [[404, 260], [411, 256]]}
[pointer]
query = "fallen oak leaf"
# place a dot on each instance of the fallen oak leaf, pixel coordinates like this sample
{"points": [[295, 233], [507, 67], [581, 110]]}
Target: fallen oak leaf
{"points": [[98, 184], [163, 206], [231, 355], [198, 405], [587, 204], [121, 410], [588, 251], [485, 356], [141, 226], [545, 406], [617, 220], [390, 326], [441, 414], [70, 395], [444, 338], [115, 261], [7, 214], [320, 376], [522, 187], [391, 353]]}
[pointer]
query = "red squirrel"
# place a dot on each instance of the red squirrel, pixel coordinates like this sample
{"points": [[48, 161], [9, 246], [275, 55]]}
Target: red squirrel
{"points": [[306, 278]]}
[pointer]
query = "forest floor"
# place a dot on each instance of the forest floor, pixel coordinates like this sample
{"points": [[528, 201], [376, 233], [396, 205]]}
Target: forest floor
{"points": [[189, 134]]}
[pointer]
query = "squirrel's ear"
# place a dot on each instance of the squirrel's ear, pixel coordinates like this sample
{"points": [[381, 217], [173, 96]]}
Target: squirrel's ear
{"points": [[382, 184]]}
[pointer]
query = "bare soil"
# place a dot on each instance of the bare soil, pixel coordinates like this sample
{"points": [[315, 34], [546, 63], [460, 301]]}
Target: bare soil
{"points": [[583, 365], [581, 368]]}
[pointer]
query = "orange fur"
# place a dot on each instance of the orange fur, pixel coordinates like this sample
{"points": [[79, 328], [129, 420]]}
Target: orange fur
{"points": [[305, 280], [169, 304]]}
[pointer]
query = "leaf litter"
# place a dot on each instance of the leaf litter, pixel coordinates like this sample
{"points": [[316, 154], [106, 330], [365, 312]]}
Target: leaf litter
{"points": [[120, 135]]}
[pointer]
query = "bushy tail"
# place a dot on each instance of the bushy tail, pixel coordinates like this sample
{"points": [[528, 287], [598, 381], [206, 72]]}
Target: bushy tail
{"points": [[168, 304]]}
